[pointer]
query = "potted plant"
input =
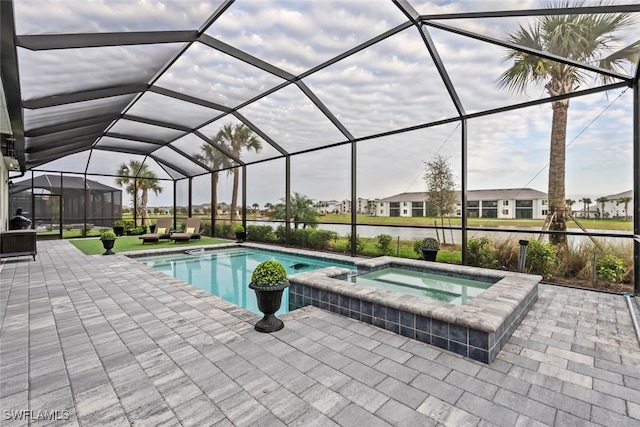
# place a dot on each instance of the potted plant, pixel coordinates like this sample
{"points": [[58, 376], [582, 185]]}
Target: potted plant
{"points": [[429, 248], [119, 227], [269, 280], [108, 240], [240, 234]]}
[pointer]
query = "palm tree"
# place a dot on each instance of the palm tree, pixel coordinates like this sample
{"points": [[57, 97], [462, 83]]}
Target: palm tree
{"points": [[585, 38], [602, 201], [138, 180], [216, 160], [586, 201], [255, 207], [302, 210], [570, 203], [626, 201], [237, 137]]}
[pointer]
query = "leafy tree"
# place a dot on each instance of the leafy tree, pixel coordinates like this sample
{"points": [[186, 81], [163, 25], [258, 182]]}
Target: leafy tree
{"points": [[237, 138], [302, 210], [255, 207], [441, 195], [602, 201], [587, 38], [626, 201], [137, 179]]}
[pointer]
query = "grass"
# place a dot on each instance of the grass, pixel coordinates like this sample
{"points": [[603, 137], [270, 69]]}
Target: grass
{"points": [[91, 246]]}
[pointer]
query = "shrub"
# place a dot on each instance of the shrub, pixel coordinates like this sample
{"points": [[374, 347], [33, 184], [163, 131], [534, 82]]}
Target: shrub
{"points": [[261, 233], [426, 243], [481, 253], [223, 230], [541, 258], [610, 268], [137, 231], [507, 251], [360, 243], [127, 224], [384, 244], [319, 239], [269, 273], [239, 229], [86, 229], [108, 235]]}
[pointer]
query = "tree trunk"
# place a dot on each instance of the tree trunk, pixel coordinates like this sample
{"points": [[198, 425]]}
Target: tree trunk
{"points": [[143, 205], [234, 195], [557, 156]]}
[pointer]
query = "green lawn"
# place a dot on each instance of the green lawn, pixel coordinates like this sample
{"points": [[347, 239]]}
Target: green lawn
{"points": [[93, 246]]}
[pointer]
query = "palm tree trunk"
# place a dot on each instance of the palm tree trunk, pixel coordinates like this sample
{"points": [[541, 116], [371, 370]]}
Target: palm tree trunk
{"points": [[557, 156], [234, 195], [143, 205]]}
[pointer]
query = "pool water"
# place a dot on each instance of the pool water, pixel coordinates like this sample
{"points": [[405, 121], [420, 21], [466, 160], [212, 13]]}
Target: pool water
{"points": [[437, 287], [227, 272]]}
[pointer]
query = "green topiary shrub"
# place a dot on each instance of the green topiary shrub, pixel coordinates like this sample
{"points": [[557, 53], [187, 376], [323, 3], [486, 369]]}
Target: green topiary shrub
{"points": [[481, 253], [541, 259], [384, 244], [269, 273], [426, 243], [610, 269], [108, 235], [239, 229]]}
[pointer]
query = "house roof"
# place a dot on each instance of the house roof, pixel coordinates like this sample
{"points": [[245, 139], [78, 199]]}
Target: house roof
{"points": [[53, 182], [614, 197], [491, 194]]}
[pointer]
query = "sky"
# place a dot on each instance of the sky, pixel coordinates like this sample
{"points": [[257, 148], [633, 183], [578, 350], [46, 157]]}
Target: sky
{"points": [[391, 85]]}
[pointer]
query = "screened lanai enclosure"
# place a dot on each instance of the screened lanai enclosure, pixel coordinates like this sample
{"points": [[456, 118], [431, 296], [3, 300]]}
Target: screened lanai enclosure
{"points": [[313, 123]]}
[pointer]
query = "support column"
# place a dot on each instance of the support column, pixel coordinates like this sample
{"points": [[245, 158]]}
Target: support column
{"points": [[287, 200], [354, 197], [190, 209], [175, 202], [636, 185], [214, 205], [463, 191], [244, 197]]}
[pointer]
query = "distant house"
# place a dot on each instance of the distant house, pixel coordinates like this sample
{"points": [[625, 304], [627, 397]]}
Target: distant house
{"points": [[499, 203], [614, 208], [363, 206]]}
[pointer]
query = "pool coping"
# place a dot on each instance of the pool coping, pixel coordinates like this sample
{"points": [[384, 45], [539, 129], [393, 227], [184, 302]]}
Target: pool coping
{"points": [[477, 329]]}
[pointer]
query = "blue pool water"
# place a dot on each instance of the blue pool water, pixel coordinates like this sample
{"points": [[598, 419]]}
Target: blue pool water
{"points": [[227, 272]]}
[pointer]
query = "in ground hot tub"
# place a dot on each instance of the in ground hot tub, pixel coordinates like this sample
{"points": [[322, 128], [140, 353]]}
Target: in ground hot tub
{"points": [[478, 327]]}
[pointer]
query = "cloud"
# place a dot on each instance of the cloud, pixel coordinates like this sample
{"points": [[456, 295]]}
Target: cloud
{"points": [[391, 85]]}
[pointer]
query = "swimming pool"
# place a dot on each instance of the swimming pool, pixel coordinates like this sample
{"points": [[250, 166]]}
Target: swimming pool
{"points": [[227, 272], [450, 289]]}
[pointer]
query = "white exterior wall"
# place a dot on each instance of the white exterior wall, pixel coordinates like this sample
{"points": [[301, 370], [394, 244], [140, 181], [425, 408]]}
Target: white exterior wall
{"points": [[615, 209], [508, 211]]}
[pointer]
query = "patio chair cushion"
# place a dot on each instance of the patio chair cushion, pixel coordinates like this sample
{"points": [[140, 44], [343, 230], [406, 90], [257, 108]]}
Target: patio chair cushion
{"points": [[161, 230], [190, 230]]}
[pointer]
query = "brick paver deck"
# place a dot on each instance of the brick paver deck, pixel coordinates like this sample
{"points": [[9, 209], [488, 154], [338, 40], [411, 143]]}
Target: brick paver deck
{"points": [[107, 341]]}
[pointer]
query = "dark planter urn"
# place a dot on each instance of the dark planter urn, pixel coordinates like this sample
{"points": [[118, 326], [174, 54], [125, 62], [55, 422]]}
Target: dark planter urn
{"points": [[429, 254], [119, 230], [108, 245], [240, 236], [269, 300], [152, 228]]}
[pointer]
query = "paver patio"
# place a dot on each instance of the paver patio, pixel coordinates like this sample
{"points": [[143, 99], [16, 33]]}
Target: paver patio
{"points": [[108, 341]]}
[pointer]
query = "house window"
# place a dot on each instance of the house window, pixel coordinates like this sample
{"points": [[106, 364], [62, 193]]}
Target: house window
{"points": [[417, 209], [505, 211], [505, 203], [473, 208], [545, 202], [381, 211], [545, 212], [381, 204], [490, 208], [394, 209], [404, 203], [404, 211], [524, 209]]}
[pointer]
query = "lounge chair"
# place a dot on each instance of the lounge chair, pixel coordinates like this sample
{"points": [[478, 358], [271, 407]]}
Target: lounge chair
{"points": [[191, 231], [162, 231]]}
